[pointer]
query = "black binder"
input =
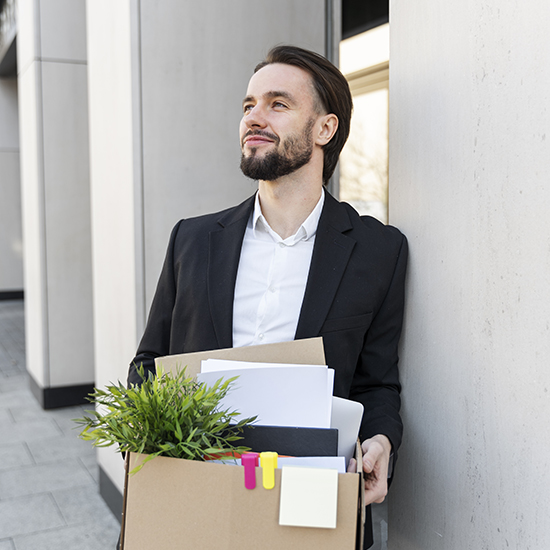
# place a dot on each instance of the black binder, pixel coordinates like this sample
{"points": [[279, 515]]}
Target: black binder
{"points": [[290, 441]]}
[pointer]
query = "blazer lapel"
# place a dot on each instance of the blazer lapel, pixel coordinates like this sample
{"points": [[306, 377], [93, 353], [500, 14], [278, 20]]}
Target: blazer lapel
{"points": [[223, 261], [331, 254]]}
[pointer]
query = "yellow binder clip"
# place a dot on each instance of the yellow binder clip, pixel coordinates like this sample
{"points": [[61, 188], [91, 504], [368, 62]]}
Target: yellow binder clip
{"points": [[268, 462]]}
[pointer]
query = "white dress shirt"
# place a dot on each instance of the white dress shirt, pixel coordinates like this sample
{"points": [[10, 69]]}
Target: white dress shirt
{"points": [[271, 280]]}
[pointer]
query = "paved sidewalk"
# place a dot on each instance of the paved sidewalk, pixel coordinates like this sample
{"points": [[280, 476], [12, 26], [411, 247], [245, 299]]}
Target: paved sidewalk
{"points": [[49, 496]]}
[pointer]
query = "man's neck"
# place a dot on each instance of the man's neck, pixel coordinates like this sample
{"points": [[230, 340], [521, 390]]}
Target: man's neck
{"points": [[287, 202]]}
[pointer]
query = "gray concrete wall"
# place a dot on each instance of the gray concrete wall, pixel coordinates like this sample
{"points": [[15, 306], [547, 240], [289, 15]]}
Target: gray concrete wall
{"points": [[166, 82], [196, 60], [469, 164], [51, 58], [11, 240]]}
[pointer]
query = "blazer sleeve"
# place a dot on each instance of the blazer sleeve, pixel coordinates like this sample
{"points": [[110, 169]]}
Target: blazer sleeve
{"points": [[376, 380], [156, 338]]}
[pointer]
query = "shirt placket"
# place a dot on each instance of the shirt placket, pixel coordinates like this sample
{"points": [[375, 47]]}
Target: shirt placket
{"points": [[270, 299]]}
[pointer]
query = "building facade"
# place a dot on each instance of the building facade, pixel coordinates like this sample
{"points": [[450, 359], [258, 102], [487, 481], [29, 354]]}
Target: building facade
{"points": [[119, 118]]}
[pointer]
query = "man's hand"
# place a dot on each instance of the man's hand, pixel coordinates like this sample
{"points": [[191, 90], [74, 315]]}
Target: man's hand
{"points": [[376, 459]]}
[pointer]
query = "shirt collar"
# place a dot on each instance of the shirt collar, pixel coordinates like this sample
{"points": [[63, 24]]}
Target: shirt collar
{"points": [[305, 232]]}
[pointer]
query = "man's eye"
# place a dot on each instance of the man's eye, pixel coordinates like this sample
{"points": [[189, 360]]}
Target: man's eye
{"points": [[247, 108], [279, 105]]}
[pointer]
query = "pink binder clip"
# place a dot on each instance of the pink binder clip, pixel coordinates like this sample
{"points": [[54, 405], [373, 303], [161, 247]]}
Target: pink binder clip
{"points": [[250, 463]]}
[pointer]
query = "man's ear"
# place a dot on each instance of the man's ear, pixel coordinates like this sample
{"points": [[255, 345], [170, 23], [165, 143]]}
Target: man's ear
{"points": [[326, 126]]}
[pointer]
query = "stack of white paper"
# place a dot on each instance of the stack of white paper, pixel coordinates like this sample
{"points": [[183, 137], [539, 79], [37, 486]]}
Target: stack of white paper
{"points": [[279, 395], [288, 395]]}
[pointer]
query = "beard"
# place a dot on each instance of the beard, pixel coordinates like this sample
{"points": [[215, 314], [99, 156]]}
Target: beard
{"points": [[287, 157]]}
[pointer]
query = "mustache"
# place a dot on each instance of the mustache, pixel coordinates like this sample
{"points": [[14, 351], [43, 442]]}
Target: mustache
{"points": [[263, 133]]}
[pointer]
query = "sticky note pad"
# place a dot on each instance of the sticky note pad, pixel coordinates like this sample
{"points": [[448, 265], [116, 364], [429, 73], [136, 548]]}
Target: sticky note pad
{"points": [[309, 497]]}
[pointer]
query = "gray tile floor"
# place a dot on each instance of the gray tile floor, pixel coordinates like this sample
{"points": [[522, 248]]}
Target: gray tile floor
{"points": [[49, 497]]}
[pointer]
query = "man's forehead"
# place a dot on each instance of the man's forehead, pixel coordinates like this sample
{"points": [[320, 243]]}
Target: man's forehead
{"points": [[286, 80]]}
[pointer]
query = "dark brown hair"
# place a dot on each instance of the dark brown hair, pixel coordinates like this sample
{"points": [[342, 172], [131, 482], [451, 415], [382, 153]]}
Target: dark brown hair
{"points": [[333, 94]]}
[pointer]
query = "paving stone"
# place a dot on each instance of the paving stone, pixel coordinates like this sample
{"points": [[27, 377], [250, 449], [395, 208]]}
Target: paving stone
{"points": [[64, 418], [14, 456], [82, 505], [5, 417], [70, 413], [18, 398], [14, 357], [15, 382], [57, 448], [6, 359], [90, 463], [13, 346], [25, 515], [12, 371], [28, 431], [28, 412], [82, 537], [44, 478]]}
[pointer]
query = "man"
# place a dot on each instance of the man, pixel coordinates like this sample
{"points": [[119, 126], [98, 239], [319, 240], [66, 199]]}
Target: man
{"points": [[292, 262]]}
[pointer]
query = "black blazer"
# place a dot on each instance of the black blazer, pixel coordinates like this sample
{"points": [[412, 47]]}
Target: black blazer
{"points": [[353, 299]]}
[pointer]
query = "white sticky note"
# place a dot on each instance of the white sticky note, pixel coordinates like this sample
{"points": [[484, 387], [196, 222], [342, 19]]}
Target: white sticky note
{"points": [[309, 497]]}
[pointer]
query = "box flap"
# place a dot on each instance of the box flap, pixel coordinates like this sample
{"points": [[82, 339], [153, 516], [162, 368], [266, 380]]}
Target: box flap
{"points": [[362, 507], [309, 351]]}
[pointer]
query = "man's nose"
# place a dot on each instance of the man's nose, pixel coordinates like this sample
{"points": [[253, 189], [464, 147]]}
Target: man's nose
{"points": [[255, 117]]}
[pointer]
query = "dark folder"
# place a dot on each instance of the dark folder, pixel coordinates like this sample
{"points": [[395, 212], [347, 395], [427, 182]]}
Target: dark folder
{"points": [[291, 441]]}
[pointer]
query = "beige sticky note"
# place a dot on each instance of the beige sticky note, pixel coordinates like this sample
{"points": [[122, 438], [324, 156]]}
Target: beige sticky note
{"points": [[309, 497]]}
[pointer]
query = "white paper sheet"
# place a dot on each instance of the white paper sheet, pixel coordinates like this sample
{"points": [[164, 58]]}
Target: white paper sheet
{"points": [[211, 365], [337, 463], [287, 395]]}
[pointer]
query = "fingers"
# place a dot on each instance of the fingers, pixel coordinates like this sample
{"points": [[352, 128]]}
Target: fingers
{"points": [[375, 489], [352, 466], [375, 466], [373, 453]]}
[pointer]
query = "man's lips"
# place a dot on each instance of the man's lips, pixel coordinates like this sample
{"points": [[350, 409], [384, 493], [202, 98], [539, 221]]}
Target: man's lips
{"points": [[254, 140]]}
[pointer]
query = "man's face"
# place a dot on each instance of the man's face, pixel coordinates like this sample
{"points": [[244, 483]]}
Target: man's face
{"points": [[278, 117]]}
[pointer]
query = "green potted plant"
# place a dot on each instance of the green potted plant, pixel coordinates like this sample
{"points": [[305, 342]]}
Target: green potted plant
{"points": [[169, 415]]}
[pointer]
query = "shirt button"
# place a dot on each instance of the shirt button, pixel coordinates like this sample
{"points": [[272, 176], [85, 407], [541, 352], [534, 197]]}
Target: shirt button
{"points": [[271, 289], [282, 245], [261, 336]]}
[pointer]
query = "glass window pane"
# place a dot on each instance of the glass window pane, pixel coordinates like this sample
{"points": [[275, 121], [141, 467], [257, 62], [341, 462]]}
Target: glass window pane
{"points": [[364, 159]]}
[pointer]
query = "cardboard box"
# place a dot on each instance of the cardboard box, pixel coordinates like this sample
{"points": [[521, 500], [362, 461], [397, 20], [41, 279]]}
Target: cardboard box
{"points": [[174, 503]]}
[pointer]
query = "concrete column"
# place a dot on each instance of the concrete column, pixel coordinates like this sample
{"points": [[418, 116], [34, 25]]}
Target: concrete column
{"points": [[53, 109], [469, 164], [11, 244], [166, 82]]}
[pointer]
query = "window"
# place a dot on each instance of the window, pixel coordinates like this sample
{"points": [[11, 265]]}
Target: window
{"points": [[364, 60]]}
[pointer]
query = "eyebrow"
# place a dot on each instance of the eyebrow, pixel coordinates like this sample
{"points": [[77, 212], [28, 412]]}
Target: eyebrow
{"points": [[271, 95]]}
